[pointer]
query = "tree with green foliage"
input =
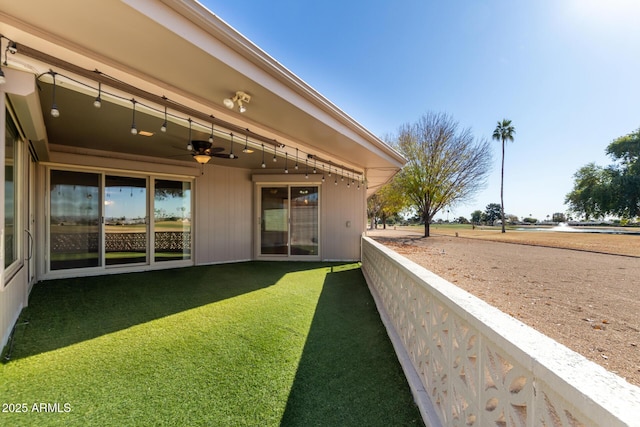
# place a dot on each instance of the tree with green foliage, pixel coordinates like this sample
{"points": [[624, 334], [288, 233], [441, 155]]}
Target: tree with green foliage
{"points": [[503, 132], [591, 191], [391, 200], [625, 175], [558, 217], [614, 190], [445, 164], [492, 213], [476, 217], [374, 204], [461, 220]]}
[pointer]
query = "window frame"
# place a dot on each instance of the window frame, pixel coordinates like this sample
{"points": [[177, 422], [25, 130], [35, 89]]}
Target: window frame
{"points": [[12, 128]]}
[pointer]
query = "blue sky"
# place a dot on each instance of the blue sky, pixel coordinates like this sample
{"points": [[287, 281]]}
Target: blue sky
{"points": [[566, 72]]}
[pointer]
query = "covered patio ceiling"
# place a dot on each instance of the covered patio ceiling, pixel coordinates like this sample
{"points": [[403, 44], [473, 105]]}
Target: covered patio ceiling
{"points": [[181, 51]]}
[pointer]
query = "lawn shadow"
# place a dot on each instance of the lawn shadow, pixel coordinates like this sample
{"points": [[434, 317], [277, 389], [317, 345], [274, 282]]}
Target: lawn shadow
{"points": [[349, 374], [64, 312]]}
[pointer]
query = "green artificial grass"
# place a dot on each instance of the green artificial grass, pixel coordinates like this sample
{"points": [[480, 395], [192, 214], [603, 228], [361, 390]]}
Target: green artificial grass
{"points": [[247, 344]]}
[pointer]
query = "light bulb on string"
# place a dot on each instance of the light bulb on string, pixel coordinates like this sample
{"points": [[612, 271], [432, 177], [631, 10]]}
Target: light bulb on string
{"points": [[163, 128], [263, 165], [98, 101], [54, 107], [134, 130], [211, 135], [189, 144], [246, 148], [231, 155], [286, 159]]}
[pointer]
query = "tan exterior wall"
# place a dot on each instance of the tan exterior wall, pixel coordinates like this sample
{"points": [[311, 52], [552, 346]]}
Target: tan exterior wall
{"points": [[343, 220], [13, 298], [223, 215]]}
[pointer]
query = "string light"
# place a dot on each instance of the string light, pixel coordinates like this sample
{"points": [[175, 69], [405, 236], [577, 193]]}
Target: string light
{"points": [[189, 144], [246, 148], [325, 166], [231, 155], [163, 128], [54, 107], [98, 101], [286, 159], [263, 164]]}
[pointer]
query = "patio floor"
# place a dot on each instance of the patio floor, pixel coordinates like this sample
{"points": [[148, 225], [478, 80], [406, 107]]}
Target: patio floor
{"points": [[255, 343]]}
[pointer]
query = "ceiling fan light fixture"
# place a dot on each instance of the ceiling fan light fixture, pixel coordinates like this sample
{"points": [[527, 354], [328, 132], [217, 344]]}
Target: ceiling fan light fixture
{"points": [[202, 158]]}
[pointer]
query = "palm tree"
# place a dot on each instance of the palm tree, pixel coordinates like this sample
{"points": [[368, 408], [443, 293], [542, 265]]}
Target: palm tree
{"points": [[503, 132]]}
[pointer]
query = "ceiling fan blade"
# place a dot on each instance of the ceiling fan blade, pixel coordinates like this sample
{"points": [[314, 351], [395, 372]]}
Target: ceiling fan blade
{"points": [[224, 156]]}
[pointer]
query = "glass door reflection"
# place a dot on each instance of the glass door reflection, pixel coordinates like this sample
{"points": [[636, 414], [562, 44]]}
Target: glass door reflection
{"points": [[125, 219], [274, 223], [74, 227], [304, 220], [172, 220]]}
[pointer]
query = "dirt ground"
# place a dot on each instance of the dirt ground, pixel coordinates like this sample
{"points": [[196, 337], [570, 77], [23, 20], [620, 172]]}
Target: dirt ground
{"points": [[586, 297]]}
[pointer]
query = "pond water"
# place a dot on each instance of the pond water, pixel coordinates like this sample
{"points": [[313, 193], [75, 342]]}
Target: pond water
{"points": [[566, 228]]}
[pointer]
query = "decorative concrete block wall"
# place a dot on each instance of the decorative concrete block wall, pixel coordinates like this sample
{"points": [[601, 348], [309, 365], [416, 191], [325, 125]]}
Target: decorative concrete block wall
{"points": [[479, 366]]}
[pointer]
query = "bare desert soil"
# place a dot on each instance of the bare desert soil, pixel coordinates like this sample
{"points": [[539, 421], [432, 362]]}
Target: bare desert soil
{"points": [[583, 290]]}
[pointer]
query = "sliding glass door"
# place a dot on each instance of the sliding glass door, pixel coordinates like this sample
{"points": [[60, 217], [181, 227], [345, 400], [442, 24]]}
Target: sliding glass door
{"points": [[125, 220], [274, 231], [304, 221], [102, 220], [74, 225], [172, 220], [289, 221]]}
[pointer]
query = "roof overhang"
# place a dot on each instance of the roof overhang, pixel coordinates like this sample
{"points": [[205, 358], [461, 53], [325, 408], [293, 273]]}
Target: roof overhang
{"points": [[179, 51]]}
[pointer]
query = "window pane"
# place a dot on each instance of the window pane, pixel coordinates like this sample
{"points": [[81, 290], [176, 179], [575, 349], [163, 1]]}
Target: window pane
{"points": [[172, 220], [125, 219], [10, 205], [274, 232], [74, 226], [304, 220]]}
